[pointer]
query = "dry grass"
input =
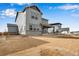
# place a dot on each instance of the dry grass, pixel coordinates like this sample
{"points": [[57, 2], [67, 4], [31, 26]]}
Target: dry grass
{"points": [[68, 36], [63, 36], [18, 43]]}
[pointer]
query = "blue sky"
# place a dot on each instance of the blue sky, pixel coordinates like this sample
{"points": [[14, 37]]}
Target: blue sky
{"points": [[65, 13]]}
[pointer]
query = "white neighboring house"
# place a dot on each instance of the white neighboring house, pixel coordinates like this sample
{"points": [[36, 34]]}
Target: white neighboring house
{"points": [[55, 28], [75, 32], [65, 30], [30, 22]]}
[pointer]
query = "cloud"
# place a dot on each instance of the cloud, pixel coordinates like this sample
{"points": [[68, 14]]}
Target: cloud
{"points": [[68, 7], [21, 3], [75, 15], [73, 10], [31, 4], [50, 8], [9, 12]]}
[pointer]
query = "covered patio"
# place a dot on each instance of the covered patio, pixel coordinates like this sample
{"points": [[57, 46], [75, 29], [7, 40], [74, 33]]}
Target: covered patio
{"points": [[45, 28]]}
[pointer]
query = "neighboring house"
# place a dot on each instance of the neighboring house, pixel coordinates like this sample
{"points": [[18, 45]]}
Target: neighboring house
{"points": [[30, 22], [55, 28], [65, 30], [75, 32], [12, 28]]}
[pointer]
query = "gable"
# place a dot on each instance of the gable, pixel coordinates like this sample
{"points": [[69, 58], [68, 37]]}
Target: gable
{"points": [[17, 15], [33, 7]]}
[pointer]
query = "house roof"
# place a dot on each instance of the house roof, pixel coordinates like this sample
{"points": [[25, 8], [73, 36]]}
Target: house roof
{"points": [[45, 25], [17, 15], [33, 7], [44, 19], [11, 25], [56, 24]]}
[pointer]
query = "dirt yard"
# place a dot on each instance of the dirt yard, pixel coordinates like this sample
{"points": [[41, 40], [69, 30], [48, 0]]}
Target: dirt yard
{"points": [[38, 46], [18, 43]]}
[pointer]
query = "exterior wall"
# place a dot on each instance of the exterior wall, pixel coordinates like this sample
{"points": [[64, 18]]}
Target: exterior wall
{"points": [[21, 23], [45, 30], [34, 22], [50, 30], [13, 29], [44, 23], [55, 28], [65, 30], [34, 32]]}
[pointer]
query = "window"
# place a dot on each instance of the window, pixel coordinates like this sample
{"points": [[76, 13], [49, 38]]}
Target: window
{"points": [[37, 29], [34, 16], [30, 27]]}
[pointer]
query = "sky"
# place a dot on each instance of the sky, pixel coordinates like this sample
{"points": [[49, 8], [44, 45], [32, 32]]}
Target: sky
{"points": [[65, 13]]}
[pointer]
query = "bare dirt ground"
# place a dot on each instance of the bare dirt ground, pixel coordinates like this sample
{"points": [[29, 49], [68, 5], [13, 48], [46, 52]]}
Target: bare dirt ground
{"points": [[18, 43], [39, 45]]}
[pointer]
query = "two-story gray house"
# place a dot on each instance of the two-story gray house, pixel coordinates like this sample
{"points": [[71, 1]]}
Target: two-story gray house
{"points": [[30, 22]]}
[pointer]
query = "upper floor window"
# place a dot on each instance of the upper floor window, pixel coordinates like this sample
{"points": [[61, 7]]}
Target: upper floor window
{"points": [[34, 16]]}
